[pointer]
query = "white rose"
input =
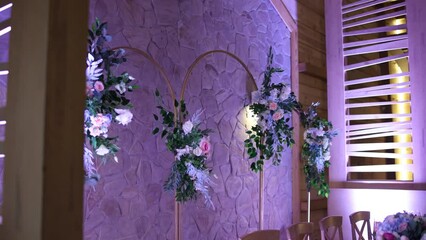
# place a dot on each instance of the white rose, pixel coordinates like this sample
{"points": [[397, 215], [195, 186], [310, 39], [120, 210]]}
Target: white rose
{"points": [[121, 88], [197, 151], [285, 93], [102, 150], [187, 127], [327, 156], [182, 151], [274, 93], [325, 143], [124, 116]]}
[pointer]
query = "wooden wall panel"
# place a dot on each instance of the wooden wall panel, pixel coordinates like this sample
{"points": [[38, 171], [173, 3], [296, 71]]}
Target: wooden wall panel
{"points": [[312, 87]]}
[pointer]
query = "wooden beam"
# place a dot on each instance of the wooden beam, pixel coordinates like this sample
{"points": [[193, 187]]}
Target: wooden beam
{"points": [[335, 80], [43, 191], [312, 70], [417, 60], [392, 185]]}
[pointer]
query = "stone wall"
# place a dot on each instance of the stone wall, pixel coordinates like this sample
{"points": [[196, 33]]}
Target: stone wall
{"points": [[129, 202]]}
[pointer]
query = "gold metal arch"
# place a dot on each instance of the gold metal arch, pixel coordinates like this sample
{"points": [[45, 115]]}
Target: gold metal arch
{"points": [[159, 68], [201, 57]]}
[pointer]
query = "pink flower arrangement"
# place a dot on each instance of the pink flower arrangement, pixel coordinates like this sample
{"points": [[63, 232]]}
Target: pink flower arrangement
{"points": [[402, 226], [273, 106], [106, 101]]}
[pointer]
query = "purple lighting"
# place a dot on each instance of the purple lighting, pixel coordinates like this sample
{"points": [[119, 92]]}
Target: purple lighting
{"points": [[5, 7]]}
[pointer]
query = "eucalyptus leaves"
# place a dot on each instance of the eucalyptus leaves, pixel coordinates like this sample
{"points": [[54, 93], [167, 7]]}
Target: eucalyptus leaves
{"points": [[106, 100], [191, 147]]}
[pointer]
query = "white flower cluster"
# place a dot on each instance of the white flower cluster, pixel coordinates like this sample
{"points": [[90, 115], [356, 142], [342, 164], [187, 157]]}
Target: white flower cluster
{"points": [[202, 182], [273, 112], [319, 144]]}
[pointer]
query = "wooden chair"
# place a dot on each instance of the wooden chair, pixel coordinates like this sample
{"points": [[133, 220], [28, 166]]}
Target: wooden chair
{"points": [[330, 226], [357, 233], [304, 228], [263, 235]]}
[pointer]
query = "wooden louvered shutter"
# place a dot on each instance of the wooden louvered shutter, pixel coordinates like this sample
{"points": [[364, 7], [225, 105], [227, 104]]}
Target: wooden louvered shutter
{"points": [[370, 89]]}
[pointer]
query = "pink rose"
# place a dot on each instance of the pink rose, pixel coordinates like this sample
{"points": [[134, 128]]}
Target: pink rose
{"points": [[273, 106], [99, 86], [205, 145], [277, 116], [388, 236]]}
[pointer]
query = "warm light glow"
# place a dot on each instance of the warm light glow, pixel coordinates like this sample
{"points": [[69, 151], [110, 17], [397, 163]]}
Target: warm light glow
{"points": [[5, 7], [250, 118], [401, 66], [395, 22], [5, 72], [2, 156], [5, 30], [2, 122]]}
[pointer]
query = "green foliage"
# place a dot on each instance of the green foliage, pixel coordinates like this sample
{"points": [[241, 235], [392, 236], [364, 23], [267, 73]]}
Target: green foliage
{"points": [[266, 140], [176, 140], [316, 149], [105, 93]]}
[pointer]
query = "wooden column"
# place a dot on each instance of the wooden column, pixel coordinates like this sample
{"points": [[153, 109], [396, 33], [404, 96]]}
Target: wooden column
{"points": [[44, 143], [416, 18], [335, 86]]}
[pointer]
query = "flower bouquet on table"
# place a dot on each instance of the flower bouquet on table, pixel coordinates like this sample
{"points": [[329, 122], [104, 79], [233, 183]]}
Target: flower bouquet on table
{"points": [[106, 101], [404, 226], [273, 105], [316, 149], [191, 147]]}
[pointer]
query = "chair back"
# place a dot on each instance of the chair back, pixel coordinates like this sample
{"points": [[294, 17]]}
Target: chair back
{"points": [[296, 230], [263, 235], [331, 228], [364, 218]]}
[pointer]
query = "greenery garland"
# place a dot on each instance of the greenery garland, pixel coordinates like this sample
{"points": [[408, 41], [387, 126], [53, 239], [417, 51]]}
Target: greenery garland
{"points": [[316, 149], [267, 139]]}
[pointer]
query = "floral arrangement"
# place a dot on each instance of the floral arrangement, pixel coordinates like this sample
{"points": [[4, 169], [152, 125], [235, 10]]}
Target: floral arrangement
{"points": [[106, 101], [404, 226], [316, 149], [273, 104], [191, 147]]}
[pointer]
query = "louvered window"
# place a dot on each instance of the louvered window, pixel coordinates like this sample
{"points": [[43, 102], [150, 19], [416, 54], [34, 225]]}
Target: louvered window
{"points": [[376, 90]]}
